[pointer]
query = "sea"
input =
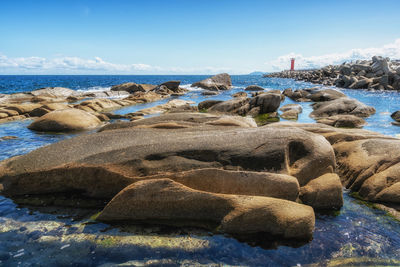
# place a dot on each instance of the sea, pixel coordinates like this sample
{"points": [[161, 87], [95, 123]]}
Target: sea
{"points": [[358, 234]]}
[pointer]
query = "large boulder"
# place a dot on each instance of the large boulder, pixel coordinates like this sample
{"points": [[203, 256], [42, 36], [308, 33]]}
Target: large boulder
{"points": [[65, 120], [267, 103], [172, 85], [343, 105], [164, 201], [220, 81], [143, 151], [229, 106]]}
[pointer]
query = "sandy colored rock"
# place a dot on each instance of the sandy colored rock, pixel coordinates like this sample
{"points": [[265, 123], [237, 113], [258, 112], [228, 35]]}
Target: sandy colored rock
{"points": [[346, 121], [323, 193], [342, 105], [65, 120], [167, 202]]}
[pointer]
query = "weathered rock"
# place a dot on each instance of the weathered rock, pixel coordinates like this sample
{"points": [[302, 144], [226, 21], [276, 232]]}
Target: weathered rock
{"points": [[288, 107], [170, 105], [396, 116], [209, 93], [326, 95], [347, 121], [298, 95], [291, 114], [128, 87], [342, 105], [218, 82], [53, 92], [267, 102], [229, 106], [65, 120], [206, 104], [136, 151], [23, 108], [237, 182], [323, 193], [240, 94], [167, 202], [172, 85], [254, 88]]}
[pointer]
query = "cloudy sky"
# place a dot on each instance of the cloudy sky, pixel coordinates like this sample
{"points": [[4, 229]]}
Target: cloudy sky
{"points": [[191, 36]]}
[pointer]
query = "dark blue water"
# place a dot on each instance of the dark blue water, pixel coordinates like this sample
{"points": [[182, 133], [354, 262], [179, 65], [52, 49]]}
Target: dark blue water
{"points": [[30, 237]]}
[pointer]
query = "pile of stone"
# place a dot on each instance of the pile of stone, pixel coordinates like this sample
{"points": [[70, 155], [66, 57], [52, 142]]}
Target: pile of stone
{"points": [[61, 109], [376, 74]]}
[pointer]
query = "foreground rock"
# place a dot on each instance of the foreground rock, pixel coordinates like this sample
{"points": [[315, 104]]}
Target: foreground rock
{"points": [[215, 83], [65, 120], [168, 202], [368, 162], [376, 74]]}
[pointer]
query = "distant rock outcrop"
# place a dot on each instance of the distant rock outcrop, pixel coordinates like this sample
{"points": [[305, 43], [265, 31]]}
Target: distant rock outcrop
{"points": [[218, 82]]}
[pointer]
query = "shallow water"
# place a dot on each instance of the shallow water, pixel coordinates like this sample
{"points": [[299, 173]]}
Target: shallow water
{"points": [[33, 237]]}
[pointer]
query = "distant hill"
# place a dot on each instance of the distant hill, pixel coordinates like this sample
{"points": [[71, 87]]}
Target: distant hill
{"points": [[257, 73]]}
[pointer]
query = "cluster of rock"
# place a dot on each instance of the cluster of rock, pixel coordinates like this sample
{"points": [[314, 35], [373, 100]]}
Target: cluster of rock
{"points": [[217, 82], [377, 74], [367, 162], [62, 109], [332, 107], [217, 172]]}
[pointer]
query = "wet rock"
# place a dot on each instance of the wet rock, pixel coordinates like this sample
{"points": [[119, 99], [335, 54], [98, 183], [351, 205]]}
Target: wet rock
{"points": [[8, 137], [65, 120], [168, 202], [344, 105], [218, 82], [254, 88], [346, 121], [323, 193]]}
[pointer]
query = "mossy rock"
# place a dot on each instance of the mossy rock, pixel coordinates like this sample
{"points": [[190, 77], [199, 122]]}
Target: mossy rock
{"points": [[266, 118]]}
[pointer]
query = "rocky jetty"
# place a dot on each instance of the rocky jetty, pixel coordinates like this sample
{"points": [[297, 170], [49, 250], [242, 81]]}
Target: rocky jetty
{"points": [[218, 82], [376, 74], [46, 101]]}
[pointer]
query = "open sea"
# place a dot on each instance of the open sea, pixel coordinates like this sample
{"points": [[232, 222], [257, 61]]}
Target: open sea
{"points": [[34, 237]]}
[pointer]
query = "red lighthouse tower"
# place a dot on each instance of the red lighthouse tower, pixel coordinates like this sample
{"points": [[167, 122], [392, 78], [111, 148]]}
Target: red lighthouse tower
{"points": [[292, 64]]}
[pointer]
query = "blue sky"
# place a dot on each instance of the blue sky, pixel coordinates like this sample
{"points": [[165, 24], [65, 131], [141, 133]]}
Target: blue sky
{"points": [[190, 36]]}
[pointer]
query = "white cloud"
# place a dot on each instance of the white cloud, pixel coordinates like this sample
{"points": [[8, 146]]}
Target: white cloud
{"points": [[67, 65], [391, 50], [76, 65]]}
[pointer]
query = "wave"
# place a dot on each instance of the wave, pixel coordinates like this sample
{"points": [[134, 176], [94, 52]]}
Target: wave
{"points": [[95, 89]]}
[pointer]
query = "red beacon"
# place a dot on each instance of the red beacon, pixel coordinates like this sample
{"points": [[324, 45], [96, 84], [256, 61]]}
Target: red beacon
{"points": [[292, 64]]}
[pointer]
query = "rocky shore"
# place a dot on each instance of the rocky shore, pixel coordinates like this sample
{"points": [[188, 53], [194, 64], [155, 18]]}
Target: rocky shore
{"points": [[376, 74], [225, 166]]}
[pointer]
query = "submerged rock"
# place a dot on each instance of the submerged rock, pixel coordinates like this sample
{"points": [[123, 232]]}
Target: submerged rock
{"points": [[167, 202], [254, 88], [218, 82], [65, 120]]}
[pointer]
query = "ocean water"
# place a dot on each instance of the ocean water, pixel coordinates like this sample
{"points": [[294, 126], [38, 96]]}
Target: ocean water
{"points": [[33, 237]]}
